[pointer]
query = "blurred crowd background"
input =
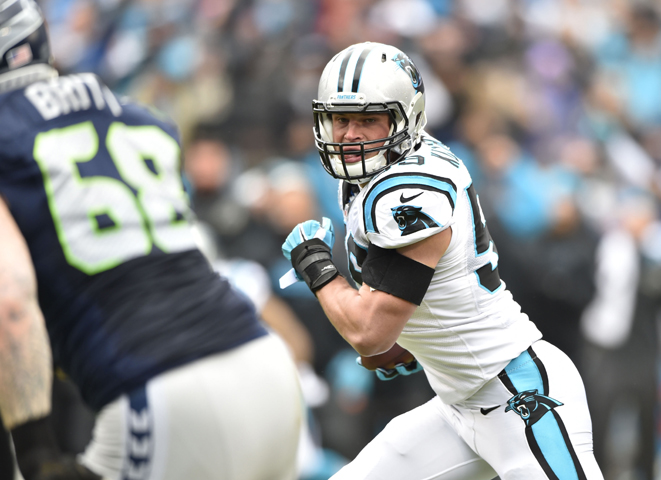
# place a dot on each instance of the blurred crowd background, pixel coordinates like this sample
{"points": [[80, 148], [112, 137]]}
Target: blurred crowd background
{"points": [[553, 105]]}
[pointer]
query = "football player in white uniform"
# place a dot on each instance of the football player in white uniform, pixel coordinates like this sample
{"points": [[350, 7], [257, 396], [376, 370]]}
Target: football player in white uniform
{"points": [[508, 403]]}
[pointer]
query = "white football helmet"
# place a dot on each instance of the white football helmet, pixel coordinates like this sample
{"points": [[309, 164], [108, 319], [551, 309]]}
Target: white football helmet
{"points": [[367, 78]]}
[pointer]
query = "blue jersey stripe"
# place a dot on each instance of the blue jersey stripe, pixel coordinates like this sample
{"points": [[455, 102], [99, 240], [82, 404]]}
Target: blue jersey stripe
{"points": [[405, 181]]}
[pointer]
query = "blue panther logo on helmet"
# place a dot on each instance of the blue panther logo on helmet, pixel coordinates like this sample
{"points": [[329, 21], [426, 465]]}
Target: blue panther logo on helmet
{"points": [[407, 65], [531, 406], [411, 219]]}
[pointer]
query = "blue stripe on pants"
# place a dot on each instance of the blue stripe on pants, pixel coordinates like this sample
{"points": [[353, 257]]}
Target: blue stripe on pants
{"points": [[140, 447], [545, 431]]}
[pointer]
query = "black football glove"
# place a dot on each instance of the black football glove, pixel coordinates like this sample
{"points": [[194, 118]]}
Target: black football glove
{"points": [[308, 247], [312, 261], [39, 457], [63, 468]]}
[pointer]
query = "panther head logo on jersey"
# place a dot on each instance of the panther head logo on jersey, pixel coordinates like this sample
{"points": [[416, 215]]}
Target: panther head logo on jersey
{"points": [[411, 219], [405, 64], [531, 406]]}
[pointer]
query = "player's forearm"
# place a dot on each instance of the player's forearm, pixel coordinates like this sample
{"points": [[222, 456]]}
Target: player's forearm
{"points": [[25, 358], [25, 362], [367, 322], [370, 320]]}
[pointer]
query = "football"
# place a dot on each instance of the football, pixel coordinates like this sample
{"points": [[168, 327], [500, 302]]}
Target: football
{"points": [[389, 359]]}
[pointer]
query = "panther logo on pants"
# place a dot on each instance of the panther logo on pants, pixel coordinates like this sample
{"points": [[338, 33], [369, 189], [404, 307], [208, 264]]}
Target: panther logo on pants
{"points": [[531, 406]]}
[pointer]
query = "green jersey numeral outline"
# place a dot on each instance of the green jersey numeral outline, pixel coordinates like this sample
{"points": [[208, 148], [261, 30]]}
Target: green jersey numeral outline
{"points": [[138, 220]]}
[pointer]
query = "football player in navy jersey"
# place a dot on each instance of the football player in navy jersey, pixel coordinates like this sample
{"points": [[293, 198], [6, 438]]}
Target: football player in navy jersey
{"points": [[95, 227], [428, 293]]}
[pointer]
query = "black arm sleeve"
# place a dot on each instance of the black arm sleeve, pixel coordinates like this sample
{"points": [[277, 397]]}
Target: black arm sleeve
{"points": [[389, 271]]}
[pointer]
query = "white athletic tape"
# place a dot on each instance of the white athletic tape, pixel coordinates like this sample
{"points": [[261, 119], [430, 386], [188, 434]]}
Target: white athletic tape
{"points": [[288, 279]]}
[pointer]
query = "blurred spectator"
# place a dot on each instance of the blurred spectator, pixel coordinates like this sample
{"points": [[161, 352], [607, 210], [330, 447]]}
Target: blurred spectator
{"points": [[211, 165], [518, 191], [559, 277], [621, 352], [632, 56], [583, 24], [546, 246]]}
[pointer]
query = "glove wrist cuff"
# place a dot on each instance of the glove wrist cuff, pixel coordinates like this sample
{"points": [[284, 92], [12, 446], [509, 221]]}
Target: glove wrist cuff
{"points": [[324, 272], [34, 443], [312, 260]]}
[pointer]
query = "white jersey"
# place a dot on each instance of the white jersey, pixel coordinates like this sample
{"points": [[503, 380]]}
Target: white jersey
{"points": [[468, 327]]}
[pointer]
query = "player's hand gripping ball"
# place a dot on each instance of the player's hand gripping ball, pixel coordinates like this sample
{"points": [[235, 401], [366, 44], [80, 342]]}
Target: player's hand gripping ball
{"points": [[390, 364]]}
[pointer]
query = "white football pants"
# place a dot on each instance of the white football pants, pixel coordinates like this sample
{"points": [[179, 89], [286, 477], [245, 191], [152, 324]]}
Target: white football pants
{"points": [[530, 422], [236, 415]]}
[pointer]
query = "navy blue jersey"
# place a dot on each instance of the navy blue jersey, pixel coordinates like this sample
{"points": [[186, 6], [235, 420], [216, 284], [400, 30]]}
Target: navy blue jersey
{"points": [[94, 186]]}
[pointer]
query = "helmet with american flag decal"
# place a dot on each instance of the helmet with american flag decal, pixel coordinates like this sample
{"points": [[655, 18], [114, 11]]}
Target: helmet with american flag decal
{"points": [[24, 45]]}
